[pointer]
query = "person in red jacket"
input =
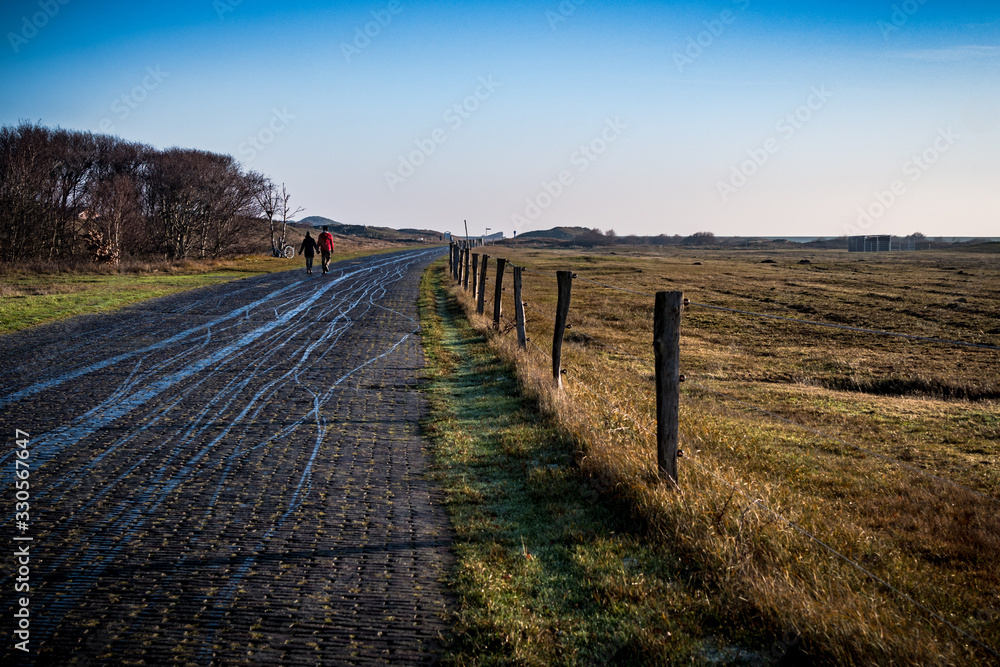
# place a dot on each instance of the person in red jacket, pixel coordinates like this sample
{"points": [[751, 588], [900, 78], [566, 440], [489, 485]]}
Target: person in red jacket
{"points": [[325, 248]]}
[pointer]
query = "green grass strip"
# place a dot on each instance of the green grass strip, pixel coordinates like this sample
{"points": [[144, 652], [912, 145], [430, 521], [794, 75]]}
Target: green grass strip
{"points": [[41, 299]]}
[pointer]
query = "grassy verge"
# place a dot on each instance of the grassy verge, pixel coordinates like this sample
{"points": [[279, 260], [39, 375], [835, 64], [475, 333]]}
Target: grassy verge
{"points": [[937, 545], [548, 572], [32, 300], [42, 292]]}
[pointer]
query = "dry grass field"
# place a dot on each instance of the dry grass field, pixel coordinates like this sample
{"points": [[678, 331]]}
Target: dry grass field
{"points": [[862, 513]]}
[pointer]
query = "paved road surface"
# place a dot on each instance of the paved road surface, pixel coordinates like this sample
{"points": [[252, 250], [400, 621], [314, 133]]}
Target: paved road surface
{"points": [[231, 475]]}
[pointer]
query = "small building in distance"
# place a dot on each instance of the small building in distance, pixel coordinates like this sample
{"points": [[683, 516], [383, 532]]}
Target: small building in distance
{"points": [[880, 243]]}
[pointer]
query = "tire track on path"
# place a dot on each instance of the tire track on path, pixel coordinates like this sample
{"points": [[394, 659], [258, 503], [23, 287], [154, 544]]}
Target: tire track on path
{"points": [[247, 488]]}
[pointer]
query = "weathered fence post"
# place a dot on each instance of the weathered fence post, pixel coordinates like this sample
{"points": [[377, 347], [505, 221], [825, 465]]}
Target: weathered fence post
{"points": [[667, 352], [451, 258], [565, 283], [481, 297], [458, 263], [522, 338], [475, 271], [468, 251], [498, 291]]}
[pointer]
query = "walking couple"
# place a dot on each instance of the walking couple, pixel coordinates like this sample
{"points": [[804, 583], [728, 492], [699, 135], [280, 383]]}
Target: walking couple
{"points": [[324, 243]]}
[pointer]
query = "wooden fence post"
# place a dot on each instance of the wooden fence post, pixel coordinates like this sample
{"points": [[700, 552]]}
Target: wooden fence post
{"points": [[498, 291], [451, 258], [457, 274], [468, 251], [475, 271], [565, 282], [481, 297], [666, 349], [522, 338]]}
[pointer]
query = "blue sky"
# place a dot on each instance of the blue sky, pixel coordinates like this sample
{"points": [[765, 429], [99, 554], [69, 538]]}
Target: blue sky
{"points": [[734, 116]]}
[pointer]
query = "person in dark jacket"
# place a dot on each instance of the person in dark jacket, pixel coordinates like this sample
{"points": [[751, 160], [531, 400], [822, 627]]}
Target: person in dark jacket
{"points": [[309, 248]]}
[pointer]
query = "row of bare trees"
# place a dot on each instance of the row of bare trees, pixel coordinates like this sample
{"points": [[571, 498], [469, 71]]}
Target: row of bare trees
{"points": [[66, 193]]}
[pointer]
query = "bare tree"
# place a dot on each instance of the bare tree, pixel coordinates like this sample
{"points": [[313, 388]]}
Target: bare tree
{"points": [[23, 176], [286, 213], [700, 238], [71, 156], [114, 200], [183, 187], [236, 210], [268, 200], [590, 238], [64, 192]]}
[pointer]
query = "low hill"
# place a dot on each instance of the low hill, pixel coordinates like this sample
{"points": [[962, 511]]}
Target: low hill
{"points": [[560, 233], [367, 232], [984, 247], [316, 221]]}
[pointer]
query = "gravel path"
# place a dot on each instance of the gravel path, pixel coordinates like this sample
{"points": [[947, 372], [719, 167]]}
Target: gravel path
{"points": [[232, 475]]}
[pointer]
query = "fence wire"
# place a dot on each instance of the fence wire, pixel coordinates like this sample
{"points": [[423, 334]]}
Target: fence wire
{"points": [[804, 427], [758, 502], [774, 415], [832, 325]]}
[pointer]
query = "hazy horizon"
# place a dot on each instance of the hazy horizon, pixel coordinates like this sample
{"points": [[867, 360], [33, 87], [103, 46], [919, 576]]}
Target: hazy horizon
{"points": [[737, 117]]}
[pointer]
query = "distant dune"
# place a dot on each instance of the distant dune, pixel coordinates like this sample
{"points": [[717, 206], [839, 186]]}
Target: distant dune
{"points": [[372, 233]]}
